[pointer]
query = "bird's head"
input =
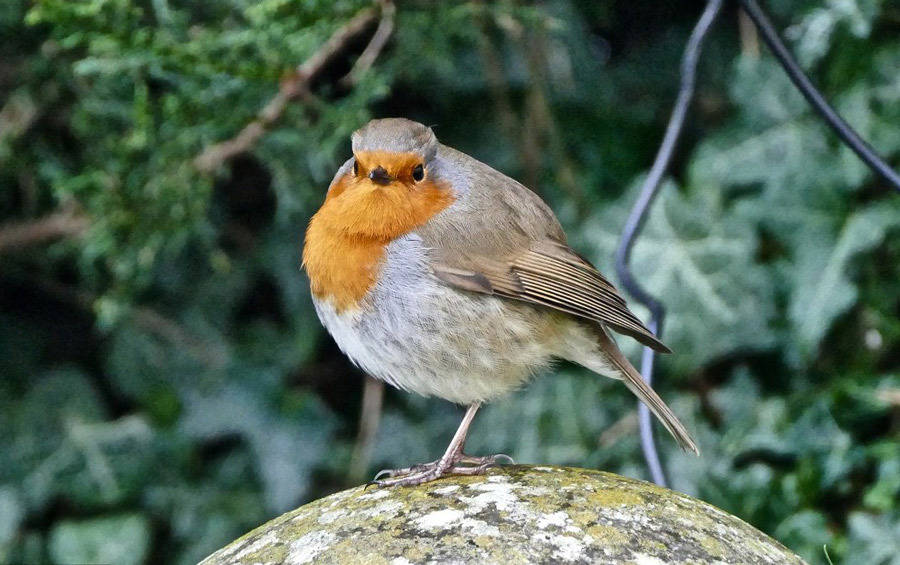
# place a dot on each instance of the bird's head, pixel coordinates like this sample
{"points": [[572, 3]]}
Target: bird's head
{"points": [[390, 186]]}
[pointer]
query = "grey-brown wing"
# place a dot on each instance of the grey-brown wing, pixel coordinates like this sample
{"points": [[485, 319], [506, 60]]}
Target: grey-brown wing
{"points": [[550, 274]]}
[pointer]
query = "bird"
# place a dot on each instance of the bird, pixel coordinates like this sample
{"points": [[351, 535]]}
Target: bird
{"points": [[442, 276]]}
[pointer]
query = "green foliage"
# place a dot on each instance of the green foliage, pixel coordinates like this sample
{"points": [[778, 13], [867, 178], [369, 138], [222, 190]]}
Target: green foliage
{"points": [[874, 538], [167, 386], [815, 306], [115, 539], [12, 513]]}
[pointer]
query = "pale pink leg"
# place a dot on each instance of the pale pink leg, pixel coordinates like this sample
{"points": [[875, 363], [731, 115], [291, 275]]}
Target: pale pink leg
{"points": [[449, 463]]}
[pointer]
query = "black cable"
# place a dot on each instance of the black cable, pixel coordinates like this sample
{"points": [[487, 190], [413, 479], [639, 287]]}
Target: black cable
{"points": [[815, 98], [638, 215]]}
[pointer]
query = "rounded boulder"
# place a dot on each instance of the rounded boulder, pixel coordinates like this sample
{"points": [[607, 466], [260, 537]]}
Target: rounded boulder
{"points": [[512, 514]]}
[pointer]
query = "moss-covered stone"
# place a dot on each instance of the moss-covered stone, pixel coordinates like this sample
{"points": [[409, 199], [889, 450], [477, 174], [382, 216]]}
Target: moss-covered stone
{"points": [[513, 514]]}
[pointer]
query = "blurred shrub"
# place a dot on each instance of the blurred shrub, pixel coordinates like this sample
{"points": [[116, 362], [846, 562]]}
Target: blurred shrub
{"points": [[167, 385]]}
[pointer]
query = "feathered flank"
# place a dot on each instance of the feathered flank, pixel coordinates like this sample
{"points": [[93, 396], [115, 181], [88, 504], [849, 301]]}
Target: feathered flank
{"points": [[552, 275]]}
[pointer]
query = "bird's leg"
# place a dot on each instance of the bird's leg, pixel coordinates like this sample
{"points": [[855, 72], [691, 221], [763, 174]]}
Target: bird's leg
{"points": [[449, 463]]}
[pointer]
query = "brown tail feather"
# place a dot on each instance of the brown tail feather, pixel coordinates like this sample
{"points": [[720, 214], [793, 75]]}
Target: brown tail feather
{"points": [[648, 396]]}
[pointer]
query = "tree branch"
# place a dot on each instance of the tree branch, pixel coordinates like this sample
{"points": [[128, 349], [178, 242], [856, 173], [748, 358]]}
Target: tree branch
{"points": [[208, 351], [889, 396], [64, 223], [369, 420], [376, 44], [297, 85]]}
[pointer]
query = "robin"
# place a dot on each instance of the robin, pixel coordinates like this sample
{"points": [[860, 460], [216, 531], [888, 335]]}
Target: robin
{"points": [[442, 276]]}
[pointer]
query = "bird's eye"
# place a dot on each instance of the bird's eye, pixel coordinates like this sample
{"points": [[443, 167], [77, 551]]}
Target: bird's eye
{"points": [[355, 167], [418, 173]]}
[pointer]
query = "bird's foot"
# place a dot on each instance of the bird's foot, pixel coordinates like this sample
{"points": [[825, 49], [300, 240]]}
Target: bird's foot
{"points": [[461, 464]]}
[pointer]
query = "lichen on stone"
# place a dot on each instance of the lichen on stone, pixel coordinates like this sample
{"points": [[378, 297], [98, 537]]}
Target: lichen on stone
{"points": [[512, 514]]}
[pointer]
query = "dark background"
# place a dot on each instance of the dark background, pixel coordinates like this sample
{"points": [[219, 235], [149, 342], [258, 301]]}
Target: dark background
{"points": [[166, 385]]}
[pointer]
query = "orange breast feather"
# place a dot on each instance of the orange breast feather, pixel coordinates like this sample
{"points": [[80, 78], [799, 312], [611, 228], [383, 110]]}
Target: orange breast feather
{"points": [[346, 239]]}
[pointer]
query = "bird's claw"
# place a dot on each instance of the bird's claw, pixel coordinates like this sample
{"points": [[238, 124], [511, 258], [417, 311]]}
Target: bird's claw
{"points": [[390, 473], [489, 460], [462, 464]]}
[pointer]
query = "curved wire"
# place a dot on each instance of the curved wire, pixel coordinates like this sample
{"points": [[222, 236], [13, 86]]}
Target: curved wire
{"points": [[638, 215], [847, 134]]}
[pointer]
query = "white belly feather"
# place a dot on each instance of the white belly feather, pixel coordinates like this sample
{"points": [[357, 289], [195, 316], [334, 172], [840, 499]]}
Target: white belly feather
{"points": [[419, 335]]}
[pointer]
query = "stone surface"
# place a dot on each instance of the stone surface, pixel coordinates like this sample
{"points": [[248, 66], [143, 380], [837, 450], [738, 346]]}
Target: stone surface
{"points": [[514, 514]]}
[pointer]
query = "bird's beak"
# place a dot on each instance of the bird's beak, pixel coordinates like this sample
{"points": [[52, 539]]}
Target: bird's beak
{"points": [[379, 175]]}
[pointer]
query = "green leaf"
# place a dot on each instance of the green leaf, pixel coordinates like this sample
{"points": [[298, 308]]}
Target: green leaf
{"points": [[73, 451], [206, 511], [12, 514], [884, 493], [805, 532], [123, 539], [874, 539], [560, 418], [822, 286], [814, 32], [287, 447]]}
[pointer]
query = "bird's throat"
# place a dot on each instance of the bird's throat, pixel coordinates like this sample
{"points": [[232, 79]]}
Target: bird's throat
{"points": [[346, 239], [342, 269]]}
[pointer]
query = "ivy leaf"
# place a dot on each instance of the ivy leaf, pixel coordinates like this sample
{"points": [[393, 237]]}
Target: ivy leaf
{"points": [[698, 257], [875, 539], [814, 32], [111, 539], [558, 419], [822, 288], [72, 451], [12, 513], [287, 446], [805, 532], [884, 493], [207, 509]]}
